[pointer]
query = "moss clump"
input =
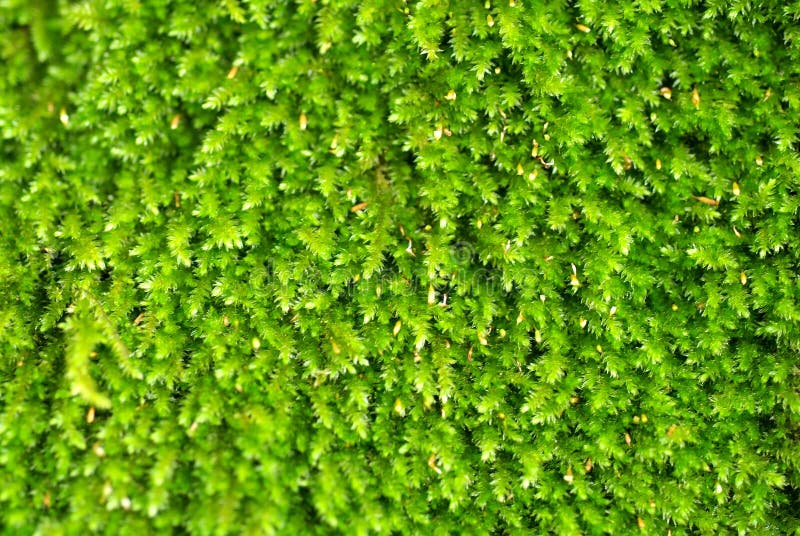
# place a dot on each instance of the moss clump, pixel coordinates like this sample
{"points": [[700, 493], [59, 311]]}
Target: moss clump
{"points": [[274, 267]]}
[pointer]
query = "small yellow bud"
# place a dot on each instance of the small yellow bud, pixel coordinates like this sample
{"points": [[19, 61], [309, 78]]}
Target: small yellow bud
{"points": [[451, 95], [232, 72], [696, 98], [256, 343], [666, 93], [397, 326], [743, 278], [489, 20], [658, 163], [432, 464], [736, 190], [303, 121], [568, 478], [583, 28], [63, 117]]}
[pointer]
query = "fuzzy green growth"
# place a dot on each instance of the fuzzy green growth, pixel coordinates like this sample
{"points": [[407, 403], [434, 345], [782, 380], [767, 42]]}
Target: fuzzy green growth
{"points": [[311, 267]]}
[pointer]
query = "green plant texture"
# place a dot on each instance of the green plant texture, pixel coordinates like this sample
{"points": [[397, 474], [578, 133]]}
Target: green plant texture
{"points": [[385, 267]]}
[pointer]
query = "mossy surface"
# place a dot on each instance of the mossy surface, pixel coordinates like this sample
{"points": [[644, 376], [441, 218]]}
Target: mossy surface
{"points": [[327, 266]]}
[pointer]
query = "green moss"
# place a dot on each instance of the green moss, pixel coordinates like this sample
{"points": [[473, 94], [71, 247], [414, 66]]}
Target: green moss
{"points": [[275, 267]]}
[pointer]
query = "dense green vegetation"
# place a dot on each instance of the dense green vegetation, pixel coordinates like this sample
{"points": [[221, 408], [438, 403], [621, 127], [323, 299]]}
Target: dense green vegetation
{"points": [[327, 266]]}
